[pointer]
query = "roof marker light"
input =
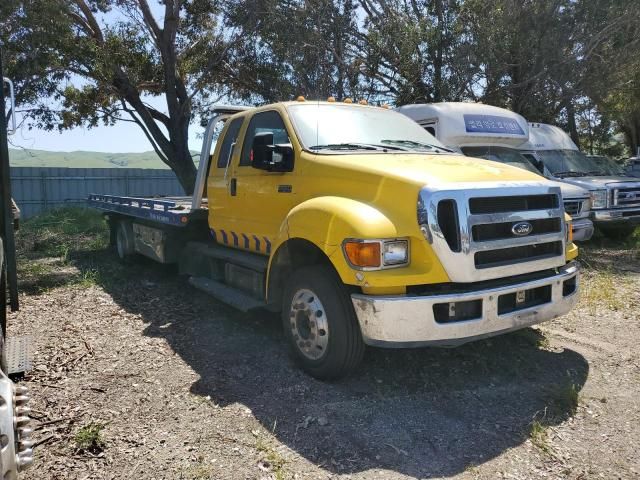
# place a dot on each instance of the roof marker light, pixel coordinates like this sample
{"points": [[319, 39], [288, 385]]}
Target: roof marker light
{"points": [[363, 102], [348, 100], [300, 98], [331, 99]]}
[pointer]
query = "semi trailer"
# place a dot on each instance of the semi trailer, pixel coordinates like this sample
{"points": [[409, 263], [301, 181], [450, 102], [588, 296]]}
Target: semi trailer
{"points": [[360, 228]]}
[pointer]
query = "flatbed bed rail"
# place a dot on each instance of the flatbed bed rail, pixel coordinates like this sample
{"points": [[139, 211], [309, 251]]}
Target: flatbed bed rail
{"points": [[166, 211]]}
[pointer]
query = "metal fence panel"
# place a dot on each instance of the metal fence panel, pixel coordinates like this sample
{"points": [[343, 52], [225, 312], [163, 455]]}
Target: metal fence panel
{"points": [[36, 189]]}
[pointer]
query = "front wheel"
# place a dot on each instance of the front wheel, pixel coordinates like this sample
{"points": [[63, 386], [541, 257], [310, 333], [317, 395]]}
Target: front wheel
{"points": [[320, 323], [618, 233]]}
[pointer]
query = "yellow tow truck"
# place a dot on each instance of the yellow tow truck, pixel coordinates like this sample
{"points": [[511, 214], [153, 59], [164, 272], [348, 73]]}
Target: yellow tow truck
{"points": [[361, 228]]}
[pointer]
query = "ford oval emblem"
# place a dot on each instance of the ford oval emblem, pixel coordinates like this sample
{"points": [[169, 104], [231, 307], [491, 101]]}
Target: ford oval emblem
{"points": [[522, 229]]}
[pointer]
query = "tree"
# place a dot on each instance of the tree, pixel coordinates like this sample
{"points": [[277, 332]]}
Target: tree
{"points": [[612, 73], [525, 53], [415, 50], [301, 47], [100, 61]]}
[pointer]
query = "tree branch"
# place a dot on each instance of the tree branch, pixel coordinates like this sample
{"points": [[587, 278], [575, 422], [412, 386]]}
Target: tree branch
{"points": [[90, 20]]}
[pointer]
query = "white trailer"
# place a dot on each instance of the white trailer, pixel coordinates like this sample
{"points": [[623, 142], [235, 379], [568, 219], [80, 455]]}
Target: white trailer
{"points": [[496, 134]]}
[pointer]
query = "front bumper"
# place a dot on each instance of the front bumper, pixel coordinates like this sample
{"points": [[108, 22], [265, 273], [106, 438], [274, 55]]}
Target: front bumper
{"points": [[410, 321], [582, 229], [621, 216]]}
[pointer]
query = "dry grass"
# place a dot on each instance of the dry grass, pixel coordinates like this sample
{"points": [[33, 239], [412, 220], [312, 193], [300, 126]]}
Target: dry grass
{"points": [[601, 290]]}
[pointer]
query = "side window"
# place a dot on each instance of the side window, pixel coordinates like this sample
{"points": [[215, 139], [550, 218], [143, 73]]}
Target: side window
{"points": [[536, 162], [229, 140], [429, 127], [260, 123]]}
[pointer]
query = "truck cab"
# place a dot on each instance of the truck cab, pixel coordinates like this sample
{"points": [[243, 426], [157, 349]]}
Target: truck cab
{"points": [[360, 228], [493, 133], [615, 197]]}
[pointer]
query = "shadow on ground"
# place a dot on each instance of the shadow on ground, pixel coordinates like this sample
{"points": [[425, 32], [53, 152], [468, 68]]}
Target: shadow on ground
{"points": [[427, 412]]}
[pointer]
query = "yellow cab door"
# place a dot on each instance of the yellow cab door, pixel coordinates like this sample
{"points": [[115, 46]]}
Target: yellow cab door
{"points": [[260, 200], [222, 208]]}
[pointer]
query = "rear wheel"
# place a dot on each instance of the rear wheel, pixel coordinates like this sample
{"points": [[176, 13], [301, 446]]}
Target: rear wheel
{"points": [[618, 233], [124, 240], [320, 323]]}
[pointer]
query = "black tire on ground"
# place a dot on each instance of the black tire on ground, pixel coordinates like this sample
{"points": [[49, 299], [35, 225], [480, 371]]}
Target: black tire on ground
{"points": [[618, 233], [320, 324], [124, 241]]}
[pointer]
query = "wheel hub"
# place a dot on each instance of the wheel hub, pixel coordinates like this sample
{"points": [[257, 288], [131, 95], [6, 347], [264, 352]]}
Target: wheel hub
{"points": [[309, 327]]}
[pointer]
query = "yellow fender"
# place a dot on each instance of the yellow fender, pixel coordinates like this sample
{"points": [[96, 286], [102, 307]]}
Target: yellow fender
{"points": [[327, 221]]}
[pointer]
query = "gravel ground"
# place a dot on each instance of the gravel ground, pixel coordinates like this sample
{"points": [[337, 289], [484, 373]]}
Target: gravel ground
{"points": [[138, 375]]}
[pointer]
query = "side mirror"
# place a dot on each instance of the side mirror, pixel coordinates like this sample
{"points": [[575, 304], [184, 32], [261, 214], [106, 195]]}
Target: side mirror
{"points": [[267, 156]]}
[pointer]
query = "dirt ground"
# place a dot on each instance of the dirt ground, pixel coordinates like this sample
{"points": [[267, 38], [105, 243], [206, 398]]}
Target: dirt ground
{"points": [[138, 375]]}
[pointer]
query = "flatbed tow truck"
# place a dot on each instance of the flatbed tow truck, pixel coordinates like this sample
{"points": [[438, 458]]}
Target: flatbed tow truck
{"points": [[361, 229], [16, 452]]}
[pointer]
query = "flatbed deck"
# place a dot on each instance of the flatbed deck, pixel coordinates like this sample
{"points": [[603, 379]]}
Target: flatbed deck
{"points": [[175, 211]]}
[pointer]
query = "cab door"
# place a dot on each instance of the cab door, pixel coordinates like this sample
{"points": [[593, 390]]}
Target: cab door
{"points": [[260, 199], [221, 210]]}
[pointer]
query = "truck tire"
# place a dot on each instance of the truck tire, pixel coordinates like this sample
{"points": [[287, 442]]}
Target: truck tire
{"points": [[124, 241], [320, 324], [618, 233]]}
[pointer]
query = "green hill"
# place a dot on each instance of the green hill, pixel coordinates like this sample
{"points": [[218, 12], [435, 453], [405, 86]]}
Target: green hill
{"points": [[81, 159]]}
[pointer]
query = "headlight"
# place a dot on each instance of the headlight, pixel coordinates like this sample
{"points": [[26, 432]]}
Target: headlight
{"points": [[395, 253], [598, 198], [376, 254]]}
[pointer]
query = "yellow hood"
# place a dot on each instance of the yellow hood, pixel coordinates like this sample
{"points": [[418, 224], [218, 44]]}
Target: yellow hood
{"points": [[424, 169]]}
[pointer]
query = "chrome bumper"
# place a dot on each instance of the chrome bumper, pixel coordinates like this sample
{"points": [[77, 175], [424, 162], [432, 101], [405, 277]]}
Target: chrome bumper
{"points": [[404, 321], [618, 215], [582, 229]]}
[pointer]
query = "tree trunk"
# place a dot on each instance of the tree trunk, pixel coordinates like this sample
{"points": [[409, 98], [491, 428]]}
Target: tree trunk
{"points": [[185, 170], [571, 122], [631, 129], [437, 63], [179, 157]]}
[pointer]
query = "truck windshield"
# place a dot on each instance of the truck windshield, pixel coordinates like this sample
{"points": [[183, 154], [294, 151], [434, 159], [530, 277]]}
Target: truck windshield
{"points": [[326, 127], [569, 163], [607, 165], [505, 155]]}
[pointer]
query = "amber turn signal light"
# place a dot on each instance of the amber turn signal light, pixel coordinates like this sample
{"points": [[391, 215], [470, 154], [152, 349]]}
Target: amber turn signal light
{"points": [[363, 254]]}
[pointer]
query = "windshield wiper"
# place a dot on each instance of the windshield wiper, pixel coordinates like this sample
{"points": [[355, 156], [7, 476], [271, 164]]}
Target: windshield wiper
{"points": [[596, 173], [355, 146], [411, 143], [569, 174]]}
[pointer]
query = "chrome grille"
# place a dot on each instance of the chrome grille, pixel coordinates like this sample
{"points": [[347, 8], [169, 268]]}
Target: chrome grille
{"points": [[627, 197], [488, 244], [573, 207]]}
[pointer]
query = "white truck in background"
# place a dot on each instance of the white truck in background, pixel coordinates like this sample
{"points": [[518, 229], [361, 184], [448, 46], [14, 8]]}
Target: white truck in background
{"points": [[615, 198], [493, 133]]}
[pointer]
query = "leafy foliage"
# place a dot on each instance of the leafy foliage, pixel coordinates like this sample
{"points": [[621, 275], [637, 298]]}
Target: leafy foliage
{"points": [[91, 62]]}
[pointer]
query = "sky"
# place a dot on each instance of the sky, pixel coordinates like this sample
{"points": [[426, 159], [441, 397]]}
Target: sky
{"points": [[121, 138]]}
